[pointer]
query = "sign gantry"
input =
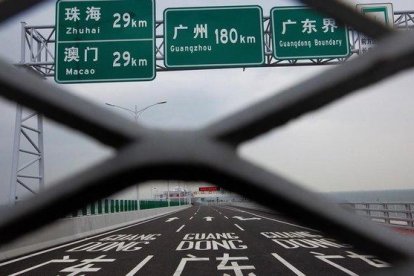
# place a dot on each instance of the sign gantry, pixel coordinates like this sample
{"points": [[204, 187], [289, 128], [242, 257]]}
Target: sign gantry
{"points": [[38, 46]]}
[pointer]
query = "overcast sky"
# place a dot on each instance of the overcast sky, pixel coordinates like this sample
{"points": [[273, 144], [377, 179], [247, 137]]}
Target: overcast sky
{"points": [[365, 142]]}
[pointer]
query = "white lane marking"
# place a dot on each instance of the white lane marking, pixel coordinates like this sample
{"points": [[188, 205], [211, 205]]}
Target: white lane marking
{"points": [[85, 239], [195, 213], [242, 218], [64, 260], [139, 266], [208, 218], [191, 218], [239, 227], [179, 229], [325, 259], [171, 219], [183, 261], [226, 217], [288, 265], [280, 221]]}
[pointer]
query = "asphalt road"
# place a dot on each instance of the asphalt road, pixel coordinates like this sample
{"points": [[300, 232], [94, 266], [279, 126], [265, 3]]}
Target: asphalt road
{"points": [[206, 240]]}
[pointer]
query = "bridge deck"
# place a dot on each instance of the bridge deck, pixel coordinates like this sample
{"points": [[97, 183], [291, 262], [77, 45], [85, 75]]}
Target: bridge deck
{"points": [[206, 240]]}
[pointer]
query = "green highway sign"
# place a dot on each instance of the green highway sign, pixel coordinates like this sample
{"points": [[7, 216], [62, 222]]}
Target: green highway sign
{"points": [[381, 12], [105, 40], [213, 37], [301, 33]]}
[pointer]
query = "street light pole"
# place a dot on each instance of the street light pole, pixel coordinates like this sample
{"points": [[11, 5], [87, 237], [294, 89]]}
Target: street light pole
{"points": [[168, 196], [153, 195], [137, 113]]}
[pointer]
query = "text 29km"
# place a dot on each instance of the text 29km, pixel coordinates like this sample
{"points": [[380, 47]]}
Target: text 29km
{"points": [[124, 59], [125, 21]]}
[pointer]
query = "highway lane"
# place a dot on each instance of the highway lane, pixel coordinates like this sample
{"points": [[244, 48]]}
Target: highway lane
{"points": [[206, 240]]}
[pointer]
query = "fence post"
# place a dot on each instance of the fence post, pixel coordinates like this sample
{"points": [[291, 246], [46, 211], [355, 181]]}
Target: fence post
{"points": [[409, 215], [386, 213]]}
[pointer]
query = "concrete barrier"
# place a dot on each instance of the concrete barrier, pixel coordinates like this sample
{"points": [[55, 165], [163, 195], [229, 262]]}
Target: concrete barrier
{"points": [[69, 229]]}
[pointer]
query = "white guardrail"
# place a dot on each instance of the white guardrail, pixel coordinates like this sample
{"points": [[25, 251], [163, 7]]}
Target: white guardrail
{"points": [[396, 214]]}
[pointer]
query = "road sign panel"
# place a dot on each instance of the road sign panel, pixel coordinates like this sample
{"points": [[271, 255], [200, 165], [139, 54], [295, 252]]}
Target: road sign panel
{"points": [[213, 37], [380, 12], [105, 40], [302, 33]]}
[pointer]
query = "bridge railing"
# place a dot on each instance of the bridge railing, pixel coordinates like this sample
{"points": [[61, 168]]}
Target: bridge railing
{"points": [[397, 214], [394, 214]]}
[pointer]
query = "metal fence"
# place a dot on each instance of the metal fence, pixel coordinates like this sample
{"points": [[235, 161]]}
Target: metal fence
{"points": [[395, 214], [210, 154]]}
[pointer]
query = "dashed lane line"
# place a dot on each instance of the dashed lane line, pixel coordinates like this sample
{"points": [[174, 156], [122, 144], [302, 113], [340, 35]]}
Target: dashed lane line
{"points": [[191, 218], [238, 226], [139, 266], [179, 229]]}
